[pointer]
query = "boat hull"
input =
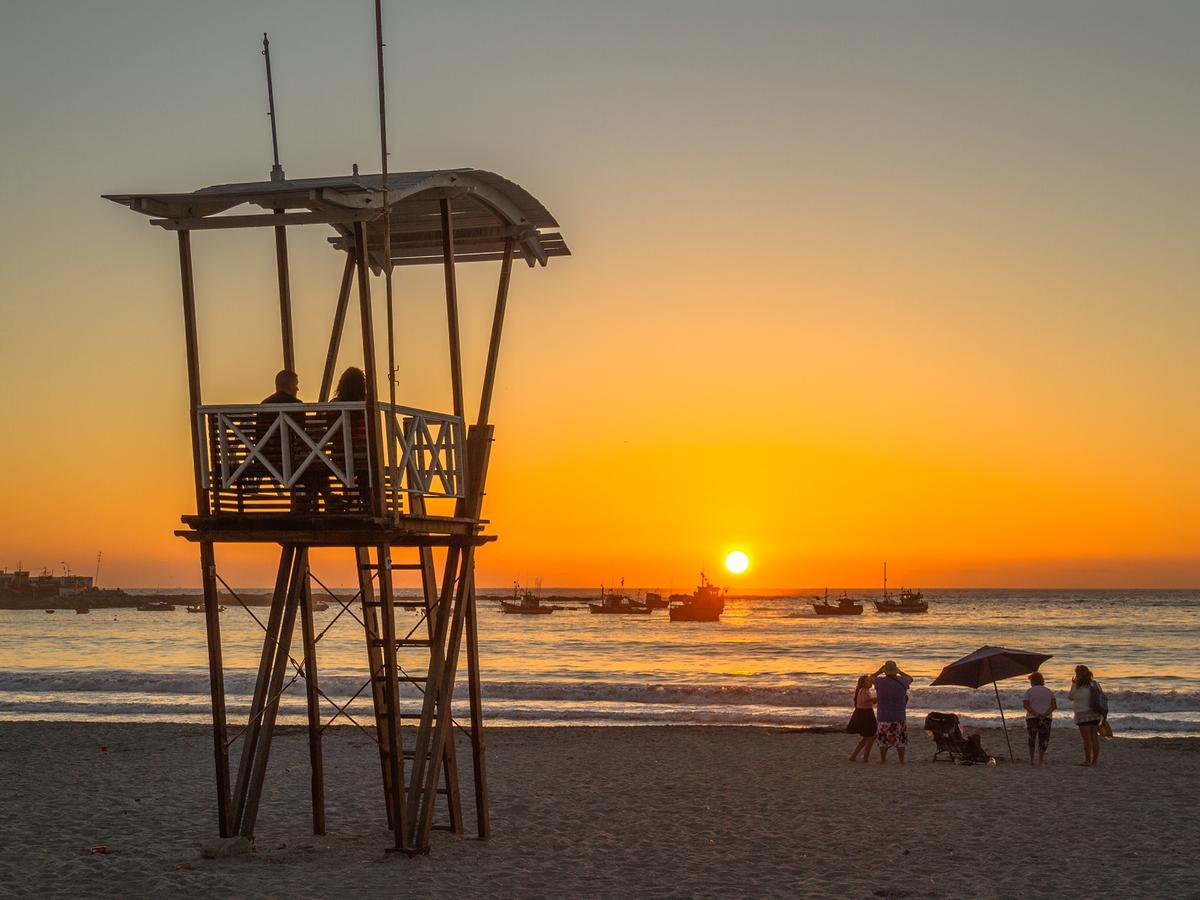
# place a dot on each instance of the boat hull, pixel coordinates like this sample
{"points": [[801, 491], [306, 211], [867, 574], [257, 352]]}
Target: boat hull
{"points": [[599, 610], [686, 614], [514, 610], [822, 610], [907, 608]]}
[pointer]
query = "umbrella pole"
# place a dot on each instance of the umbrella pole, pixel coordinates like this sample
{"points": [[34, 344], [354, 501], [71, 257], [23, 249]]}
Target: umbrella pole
{"points": [[1003, 721]]}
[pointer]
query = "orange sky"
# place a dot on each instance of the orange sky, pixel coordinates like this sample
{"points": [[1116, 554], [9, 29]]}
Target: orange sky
{"points": [[864, 291]]}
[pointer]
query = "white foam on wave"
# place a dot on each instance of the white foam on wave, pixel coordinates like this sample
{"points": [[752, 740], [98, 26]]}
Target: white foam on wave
{"points": [[178, 696]]}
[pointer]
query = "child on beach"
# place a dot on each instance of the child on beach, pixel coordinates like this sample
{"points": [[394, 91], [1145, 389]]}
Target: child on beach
{"points": [[862, 721], [1039, 708], [1091, 711]]}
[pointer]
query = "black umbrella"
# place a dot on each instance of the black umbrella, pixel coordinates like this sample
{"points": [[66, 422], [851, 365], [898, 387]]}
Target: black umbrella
{"points": [[990, 664]]}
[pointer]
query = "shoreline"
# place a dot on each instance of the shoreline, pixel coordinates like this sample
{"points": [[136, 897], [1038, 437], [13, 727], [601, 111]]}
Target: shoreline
{"points": [[608, 812], [1016, 731]]}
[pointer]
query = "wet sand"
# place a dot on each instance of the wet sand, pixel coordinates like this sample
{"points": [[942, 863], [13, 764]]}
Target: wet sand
{"points": [[609, 812]]}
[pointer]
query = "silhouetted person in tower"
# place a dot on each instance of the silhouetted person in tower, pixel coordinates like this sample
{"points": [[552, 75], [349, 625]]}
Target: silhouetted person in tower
{"points": [[352, 388], [287, 388]]}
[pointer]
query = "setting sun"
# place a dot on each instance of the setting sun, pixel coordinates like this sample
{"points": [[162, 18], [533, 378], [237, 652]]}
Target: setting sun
{"points": [[737, 562]]}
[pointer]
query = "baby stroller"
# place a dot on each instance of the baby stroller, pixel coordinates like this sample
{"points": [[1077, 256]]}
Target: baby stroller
{"points": [[948, 736]]}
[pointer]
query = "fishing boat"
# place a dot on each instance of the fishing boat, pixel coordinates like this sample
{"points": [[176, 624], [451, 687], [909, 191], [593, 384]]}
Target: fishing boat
{"points": [[904, 602], [616, 604], [81, 610], [525, 603], [705, 604], [656, 601], [156, 606], [319, 606], [844, 606], [199, 608]]}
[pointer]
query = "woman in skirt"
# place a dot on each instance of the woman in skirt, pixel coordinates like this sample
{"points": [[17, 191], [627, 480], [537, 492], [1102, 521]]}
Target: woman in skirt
{"points": [[862, 722]]}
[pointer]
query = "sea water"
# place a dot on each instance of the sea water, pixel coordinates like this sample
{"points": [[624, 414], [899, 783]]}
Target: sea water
{"points": [[769, 661]]}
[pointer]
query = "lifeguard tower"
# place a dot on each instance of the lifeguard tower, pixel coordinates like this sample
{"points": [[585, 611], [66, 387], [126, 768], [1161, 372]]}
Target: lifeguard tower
{"points": [[378, 478]]}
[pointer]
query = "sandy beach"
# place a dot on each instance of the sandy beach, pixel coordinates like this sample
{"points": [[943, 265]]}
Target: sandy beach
{"points": [[608, 812]]}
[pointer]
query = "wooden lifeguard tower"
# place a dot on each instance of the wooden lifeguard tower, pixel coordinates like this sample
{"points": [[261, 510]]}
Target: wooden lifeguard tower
{"points": [[371, 475]]}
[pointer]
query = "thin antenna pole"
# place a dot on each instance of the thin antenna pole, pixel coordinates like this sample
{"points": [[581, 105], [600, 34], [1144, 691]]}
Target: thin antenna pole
{"points": [[387, 214], [276, 169]]}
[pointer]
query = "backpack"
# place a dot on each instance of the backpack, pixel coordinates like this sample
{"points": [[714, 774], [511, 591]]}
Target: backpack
{"points": [[1099, 702]]}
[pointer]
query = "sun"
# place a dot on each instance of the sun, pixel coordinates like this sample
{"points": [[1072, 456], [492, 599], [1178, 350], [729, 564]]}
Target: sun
{"points": [[737, 562]]}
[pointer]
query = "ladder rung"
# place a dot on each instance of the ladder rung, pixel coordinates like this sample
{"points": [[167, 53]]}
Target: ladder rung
{"points": [[407, 566]]}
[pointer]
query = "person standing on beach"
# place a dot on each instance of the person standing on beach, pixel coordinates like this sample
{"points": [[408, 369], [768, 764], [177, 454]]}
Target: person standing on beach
{"points": [[1040, 705], [862, 721], [892, 694], [1091, 711]]}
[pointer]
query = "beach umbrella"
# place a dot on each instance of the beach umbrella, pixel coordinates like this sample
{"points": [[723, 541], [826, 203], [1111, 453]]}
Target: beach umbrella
{"points": [[987, 665]]}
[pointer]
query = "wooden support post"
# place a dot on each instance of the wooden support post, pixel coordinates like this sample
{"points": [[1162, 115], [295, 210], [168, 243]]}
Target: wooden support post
{"points": [[216, 672], [193, 365], [312, 695], [479, 450], [216, 683], [429, 706], [434, 733], [489, 372], [429, 589], [335, 333], [261, 685], [271, 709], [374, 439], [483, 816], [285, 296], [392, 693], [474, 690], [440, 689], [456, 378]]}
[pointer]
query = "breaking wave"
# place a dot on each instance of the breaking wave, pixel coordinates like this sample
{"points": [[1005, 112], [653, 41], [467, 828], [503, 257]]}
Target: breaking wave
{"points": [[183, 696]]}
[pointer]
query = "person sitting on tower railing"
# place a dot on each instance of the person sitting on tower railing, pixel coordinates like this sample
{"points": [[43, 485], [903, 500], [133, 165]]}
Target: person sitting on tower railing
{"points": [[287, 390], [352, 388]]}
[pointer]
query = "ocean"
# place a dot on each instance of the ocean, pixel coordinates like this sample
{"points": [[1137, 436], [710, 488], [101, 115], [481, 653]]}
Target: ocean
{"points": [[770, 661]]}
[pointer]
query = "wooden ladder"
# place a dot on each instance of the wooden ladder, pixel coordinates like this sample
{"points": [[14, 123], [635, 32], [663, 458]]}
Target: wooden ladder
{"points": [[407, 678]]}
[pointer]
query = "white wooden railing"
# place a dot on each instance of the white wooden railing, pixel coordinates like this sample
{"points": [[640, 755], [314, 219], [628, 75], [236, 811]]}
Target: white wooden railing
{"points": [[260, 457]]}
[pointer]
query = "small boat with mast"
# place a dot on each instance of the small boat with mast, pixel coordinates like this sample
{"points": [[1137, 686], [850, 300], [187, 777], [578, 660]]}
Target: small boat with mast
{"points": [[904, 602], [525, 603], [614, 603], [844, 606]]}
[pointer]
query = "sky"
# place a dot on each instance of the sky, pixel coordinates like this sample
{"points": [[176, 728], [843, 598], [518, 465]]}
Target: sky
{"points": [[851, 282]]}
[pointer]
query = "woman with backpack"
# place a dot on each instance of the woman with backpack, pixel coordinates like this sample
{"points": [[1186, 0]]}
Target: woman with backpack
{"points": [[1091, 712]]}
